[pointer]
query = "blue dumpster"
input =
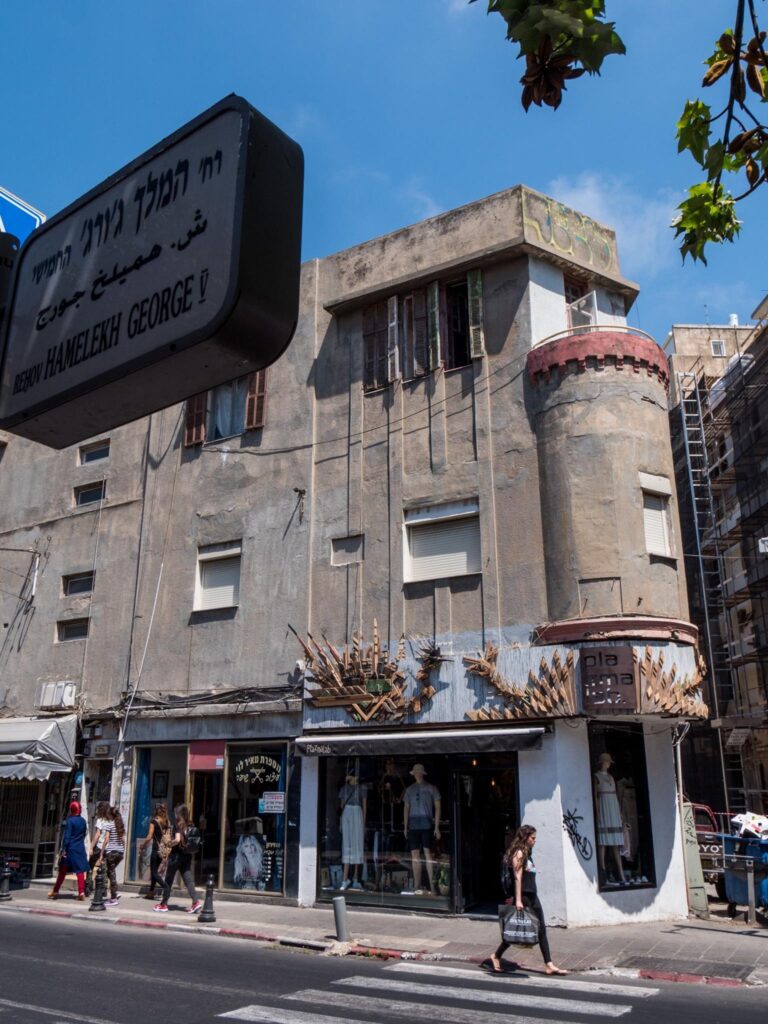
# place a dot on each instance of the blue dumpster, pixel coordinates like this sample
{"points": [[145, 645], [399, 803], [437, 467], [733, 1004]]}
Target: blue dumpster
{"points": [[736, 875]]}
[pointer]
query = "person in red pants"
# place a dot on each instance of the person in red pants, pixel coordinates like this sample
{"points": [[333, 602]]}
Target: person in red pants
{"points": [[72, 858]]}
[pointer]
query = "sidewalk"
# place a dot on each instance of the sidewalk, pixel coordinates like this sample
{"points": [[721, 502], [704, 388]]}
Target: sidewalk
{"points": [[717, 951]]}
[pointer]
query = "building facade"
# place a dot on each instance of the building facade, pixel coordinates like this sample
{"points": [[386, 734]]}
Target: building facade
{"points": [[720, 445], [417, 583]]}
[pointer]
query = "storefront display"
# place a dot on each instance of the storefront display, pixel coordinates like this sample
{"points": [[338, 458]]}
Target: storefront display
{"points": [[622, 817], [254, 845]]}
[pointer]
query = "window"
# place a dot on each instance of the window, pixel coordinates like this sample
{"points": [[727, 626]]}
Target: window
{"points": [[94, 452], [71, 629], [227, 410], [78, 583], [218, 577], [416, 332], [256, 816], [442, 541], [718, 348], [657, 492], [88, 494], [574, 289], [621, 805]]}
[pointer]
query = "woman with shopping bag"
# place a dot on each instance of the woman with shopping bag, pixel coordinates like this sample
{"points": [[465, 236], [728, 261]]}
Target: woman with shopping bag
{"points": [[521, 918]]}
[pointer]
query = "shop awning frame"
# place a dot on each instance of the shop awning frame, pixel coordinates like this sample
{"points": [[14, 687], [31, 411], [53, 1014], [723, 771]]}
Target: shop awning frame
{"points": [[32, 748], [420, 741]]}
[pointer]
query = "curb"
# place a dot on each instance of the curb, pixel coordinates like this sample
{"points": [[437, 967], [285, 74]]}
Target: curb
{"points": [[676, 976]]}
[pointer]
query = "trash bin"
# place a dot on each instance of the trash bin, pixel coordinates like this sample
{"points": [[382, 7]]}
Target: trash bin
{"points": [[736, 874]]}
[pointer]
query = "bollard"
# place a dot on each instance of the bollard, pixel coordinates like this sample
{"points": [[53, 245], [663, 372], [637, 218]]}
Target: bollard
{"points": [[751, 912], [5, 882], [206, 915], [99, 887], [340, 918]]}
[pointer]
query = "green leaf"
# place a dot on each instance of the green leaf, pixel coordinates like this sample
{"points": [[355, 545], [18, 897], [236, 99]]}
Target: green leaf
{"points": [[707, 215], [693, 129]]}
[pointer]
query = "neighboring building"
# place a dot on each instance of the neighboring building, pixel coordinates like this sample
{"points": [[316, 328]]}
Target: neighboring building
{"points": [[719, 420], [442, 530]]}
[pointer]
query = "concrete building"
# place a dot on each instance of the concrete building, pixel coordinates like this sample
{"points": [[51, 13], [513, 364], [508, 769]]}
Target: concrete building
{"points": [[423, 575], [717, 416]]}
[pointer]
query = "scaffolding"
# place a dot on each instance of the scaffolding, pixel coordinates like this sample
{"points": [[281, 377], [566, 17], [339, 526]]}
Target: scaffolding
{"points": [[722, 442]]}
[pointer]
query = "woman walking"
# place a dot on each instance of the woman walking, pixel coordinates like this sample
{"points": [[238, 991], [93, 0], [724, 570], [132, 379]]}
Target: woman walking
{"points": [[98, 839], [159, 836], [113, 851], [73, 858], [519, 881], [180, 860]]}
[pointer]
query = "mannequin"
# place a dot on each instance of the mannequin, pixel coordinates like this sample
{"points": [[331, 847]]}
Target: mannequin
{"points": [[353, 805], [421, 822], [610, 827]]}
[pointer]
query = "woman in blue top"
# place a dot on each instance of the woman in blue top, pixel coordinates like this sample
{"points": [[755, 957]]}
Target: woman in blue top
{"points": [[72, 859]]}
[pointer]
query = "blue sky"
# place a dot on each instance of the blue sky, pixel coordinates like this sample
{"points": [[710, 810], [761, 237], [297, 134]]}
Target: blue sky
{"points": [[404, 108]]}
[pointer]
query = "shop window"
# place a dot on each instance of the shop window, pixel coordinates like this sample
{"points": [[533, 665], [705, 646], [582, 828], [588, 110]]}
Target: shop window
{"points": [[442, 541], [218, 577], [255, 827], [365, 848], [77, 583], [622, 811], [94, 452], [89, 494]]}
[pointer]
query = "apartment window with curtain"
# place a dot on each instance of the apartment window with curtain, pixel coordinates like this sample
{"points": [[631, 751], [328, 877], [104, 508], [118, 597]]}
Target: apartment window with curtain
{"points": [[442, 541], [217, 582], [656, 494], [227, 410]]}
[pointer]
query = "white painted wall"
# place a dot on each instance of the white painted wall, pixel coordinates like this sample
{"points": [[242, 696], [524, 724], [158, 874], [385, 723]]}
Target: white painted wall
{"points": [[308, 832], [547, 299], [557, 779]]}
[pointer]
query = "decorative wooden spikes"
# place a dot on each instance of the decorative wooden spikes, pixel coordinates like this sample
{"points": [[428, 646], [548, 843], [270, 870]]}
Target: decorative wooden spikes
{"points": [[664, 692], [550, 694]]}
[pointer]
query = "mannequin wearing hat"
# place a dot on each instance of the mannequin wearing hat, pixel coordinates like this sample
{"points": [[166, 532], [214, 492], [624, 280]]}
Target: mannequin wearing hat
{"points": [[610, 826], [421, 823]]}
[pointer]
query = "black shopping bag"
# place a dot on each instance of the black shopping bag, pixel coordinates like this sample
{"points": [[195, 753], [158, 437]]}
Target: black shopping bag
{"points": [[518, 927]]}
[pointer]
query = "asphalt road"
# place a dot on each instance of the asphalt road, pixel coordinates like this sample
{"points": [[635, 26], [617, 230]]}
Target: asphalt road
{"points": [[72, 972]]}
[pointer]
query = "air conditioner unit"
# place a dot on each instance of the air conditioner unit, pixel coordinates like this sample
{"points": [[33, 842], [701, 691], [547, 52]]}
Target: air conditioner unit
{"points": [[583, 311], [54, 696]]}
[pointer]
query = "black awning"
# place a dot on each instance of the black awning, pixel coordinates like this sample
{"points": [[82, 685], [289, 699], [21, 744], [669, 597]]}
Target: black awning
{"points": [[433, 741]]}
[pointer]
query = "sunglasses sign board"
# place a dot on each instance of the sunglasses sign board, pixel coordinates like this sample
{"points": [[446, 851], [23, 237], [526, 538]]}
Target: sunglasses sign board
{"points": [[178, 273]]}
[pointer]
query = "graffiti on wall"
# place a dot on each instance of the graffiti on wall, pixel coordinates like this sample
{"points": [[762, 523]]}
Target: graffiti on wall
{"points": [[570, 233], [571, 826]]}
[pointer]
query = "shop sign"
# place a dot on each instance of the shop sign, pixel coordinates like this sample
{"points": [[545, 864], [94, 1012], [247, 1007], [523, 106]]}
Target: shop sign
{"points": [[608, 679], [178, 273], [100, 750], [258, 769], [272, 803]]}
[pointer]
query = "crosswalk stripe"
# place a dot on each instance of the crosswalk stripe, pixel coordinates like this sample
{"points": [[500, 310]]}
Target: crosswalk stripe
{"points": [[388, 1008], [499, 996], [283, 1015], [569, 984]]}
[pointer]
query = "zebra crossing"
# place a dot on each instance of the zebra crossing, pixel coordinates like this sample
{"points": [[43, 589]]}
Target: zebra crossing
{"points": [[409, 991]]}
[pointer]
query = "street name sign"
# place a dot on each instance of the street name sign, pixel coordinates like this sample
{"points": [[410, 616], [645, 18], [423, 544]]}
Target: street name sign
{"points": [[17, 217], [178, 273]]}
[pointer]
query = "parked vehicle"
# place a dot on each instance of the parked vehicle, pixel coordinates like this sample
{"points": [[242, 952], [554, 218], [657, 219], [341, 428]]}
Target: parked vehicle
{"points": [[710, 825]]}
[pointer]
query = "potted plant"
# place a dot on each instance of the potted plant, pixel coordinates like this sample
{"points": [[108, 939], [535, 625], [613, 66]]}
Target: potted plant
{"points": [[443, 878]]}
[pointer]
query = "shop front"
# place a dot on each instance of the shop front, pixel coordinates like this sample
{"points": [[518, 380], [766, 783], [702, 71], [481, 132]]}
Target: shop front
{"points": [[237, 794]]}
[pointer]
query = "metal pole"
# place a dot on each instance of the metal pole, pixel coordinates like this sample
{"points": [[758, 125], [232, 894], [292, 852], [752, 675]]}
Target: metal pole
{"points": [[5, 882], [751, 912], [340, 918]]}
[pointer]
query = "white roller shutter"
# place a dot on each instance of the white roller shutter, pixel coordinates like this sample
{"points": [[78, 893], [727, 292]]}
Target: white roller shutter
{"points": [[443, 549], [219, 585], [655, 521]]}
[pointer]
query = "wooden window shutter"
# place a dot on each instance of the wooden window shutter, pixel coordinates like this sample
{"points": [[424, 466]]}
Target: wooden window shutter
{"points": [[475, 297], [375, 346], [433, 324], [256, 402], [194, 429], [393, 338], [420, 334]]}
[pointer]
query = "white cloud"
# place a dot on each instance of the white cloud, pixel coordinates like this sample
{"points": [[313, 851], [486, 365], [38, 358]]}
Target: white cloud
{"points": [[646, 242], [419, 200], [458, 6]]}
